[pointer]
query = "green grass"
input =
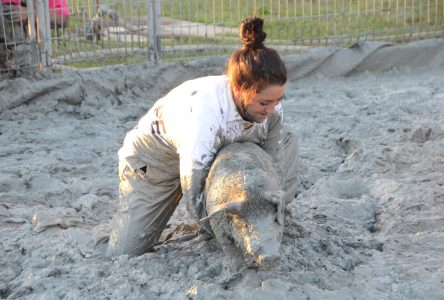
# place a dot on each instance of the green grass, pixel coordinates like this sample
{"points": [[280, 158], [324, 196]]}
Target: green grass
{"points": [[308, 20], [290, 22], [108, 60], [187, 55], [381, 14]]}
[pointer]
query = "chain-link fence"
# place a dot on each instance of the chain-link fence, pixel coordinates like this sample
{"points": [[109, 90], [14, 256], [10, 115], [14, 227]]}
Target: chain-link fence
{"points": [[98, 32]]}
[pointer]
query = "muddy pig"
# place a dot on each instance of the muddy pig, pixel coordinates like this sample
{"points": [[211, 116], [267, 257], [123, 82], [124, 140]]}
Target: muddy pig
{"points": [[245, 204]]}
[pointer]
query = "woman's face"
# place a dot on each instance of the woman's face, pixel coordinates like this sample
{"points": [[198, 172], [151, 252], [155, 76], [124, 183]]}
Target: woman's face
{"points": [[264, 103]]}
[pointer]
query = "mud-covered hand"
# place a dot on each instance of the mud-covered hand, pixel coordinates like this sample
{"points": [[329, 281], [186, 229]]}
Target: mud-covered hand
{"points": [[196, 207], [198, 211]]}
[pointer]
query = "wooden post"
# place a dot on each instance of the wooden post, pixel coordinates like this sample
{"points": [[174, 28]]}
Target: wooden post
{"points": [[48, 45], [32, 36], [42, 33]]}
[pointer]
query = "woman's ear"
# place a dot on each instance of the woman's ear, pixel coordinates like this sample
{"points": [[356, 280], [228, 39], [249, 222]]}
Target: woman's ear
{"points": [[236, 93]]}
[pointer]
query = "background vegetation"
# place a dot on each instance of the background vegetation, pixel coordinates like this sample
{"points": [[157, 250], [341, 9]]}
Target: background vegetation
{"points": [[288, 22]]}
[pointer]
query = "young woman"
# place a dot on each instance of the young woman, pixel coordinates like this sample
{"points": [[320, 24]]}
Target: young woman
{"points": [[167, 156]]}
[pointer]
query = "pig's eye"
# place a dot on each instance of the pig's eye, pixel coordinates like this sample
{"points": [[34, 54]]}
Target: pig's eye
{"points": [[276, 208]]}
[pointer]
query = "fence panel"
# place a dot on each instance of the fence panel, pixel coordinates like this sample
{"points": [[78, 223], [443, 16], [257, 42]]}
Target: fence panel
{"points": [[192, 27], [99, 32], [104, 32]]}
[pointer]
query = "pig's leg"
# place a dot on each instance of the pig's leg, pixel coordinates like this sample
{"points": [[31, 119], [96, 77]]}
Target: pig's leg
{"points": [[234, 258]]}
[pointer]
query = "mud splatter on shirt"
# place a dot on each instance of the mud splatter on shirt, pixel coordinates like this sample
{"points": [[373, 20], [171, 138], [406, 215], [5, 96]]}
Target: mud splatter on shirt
{"points": [[181, 134]]}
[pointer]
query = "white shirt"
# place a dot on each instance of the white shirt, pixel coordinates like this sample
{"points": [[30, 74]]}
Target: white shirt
{"points": [[181, 134]]}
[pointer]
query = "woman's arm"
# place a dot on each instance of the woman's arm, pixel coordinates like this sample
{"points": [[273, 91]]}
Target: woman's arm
{"points": [[274, 144]]}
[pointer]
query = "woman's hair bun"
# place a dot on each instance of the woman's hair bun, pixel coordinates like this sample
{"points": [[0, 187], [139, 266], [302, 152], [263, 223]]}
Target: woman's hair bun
{"points": [[251, 33]]}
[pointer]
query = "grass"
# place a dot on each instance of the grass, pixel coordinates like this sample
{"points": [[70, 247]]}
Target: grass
{"points": [[310, 20], [287, 21], [108, 60]]}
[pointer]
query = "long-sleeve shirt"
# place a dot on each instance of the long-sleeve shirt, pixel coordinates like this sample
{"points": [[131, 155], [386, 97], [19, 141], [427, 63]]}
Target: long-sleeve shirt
{"points": [[181, 134]]}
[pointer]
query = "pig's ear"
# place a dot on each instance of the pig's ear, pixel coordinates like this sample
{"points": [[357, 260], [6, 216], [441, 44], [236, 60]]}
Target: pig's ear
{"points": [[277, 198], [232, 207]]}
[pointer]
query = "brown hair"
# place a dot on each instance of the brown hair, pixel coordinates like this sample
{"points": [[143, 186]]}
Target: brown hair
{"points": [[253, 67]]}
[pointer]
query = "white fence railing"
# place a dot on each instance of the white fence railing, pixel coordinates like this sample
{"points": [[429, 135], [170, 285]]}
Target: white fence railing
{"points": [[127, 31]]}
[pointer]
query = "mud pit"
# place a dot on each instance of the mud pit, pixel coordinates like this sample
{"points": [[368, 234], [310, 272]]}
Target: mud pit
{"points": [[367, 223]]}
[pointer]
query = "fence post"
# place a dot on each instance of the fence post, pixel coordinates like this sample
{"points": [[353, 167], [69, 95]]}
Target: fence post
{"points": [[48, 44], [154, 15], [158, 10], [32, 36], [42, 34]]}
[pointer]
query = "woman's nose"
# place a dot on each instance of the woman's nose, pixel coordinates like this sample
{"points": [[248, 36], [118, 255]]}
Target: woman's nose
{"points": [[270, 108]]}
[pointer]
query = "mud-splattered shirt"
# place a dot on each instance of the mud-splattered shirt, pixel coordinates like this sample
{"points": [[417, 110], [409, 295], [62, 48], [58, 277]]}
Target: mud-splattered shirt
{"points": [[181, 134]]}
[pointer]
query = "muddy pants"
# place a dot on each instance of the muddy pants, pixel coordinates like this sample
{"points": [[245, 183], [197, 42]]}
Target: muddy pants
{"points": [[144, 208]]}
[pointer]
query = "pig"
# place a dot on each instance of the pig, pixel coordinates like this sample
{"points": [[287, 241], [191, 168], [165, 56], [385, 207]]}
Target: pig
{"points": [[245, 205]]}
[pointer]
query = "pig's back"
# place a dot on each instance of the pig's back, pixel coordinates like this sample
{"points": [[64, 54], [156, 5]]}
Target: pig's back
{"points": [[241, 171]]}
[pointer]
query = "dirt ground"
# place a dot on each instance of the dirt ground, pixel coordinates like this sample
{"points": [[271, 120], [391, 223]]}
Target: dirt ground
{"points": [[367, 222]]}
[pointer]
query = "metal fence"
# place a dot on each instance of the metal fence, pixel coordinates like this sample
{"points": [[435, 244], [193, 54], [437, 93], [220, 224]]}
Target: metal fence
{"points": [[129, 31]]}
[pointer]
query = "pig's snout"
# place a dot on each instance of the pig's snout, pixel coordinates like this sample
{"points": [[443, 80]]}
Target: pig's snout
{"points": [[262, 239], [268, 254]]}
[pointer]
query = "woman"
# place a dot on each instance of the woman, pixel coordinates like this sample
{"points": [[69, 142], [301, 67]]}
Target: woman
{"points": [[167, 156]]}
